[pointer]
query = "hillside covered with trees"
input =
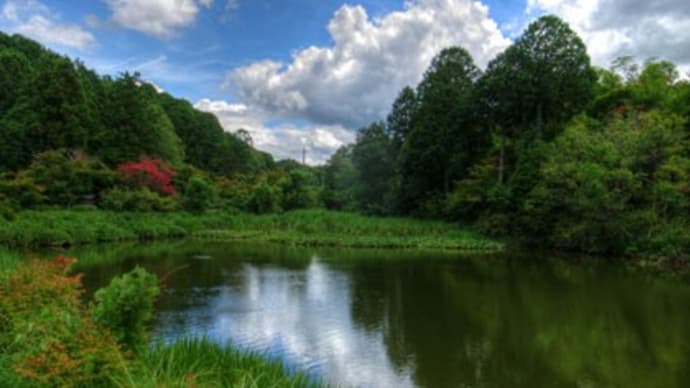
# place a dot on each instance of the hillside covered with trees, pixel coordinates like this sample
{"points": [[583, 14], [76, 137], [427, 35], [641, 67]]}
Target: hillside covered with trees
{"points": [[541, 147], [70, 137]]}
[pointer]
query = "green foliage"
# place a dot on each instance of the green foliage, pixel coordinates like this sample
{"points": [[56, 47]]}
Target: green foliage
{"points": [[199, 195], [340, 176], [202, 363], [15, 71], [9, 260], [46, 337], [301, 227], [49, 102], [544, 77], [373, 157], [125, 306], [21, 190], [49, 338], [140, 123], [62, 115], [207, 145], [69, 177], [138, 200], [444, 139], [613, 187], [299, 190], [7, 211], [541, 147], [265, 198], [13, 142], [234, 194], [399, 121]]}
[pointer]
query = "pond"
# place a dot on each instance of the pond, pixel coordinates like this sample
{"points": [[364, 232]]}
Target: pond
{"points": [[367, 318]]}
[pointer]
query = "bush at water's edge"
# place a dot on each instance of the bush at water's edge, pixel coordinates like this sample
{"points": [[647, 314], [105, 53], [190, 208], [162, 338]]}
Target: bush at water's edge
{"points": [[49, 338]]}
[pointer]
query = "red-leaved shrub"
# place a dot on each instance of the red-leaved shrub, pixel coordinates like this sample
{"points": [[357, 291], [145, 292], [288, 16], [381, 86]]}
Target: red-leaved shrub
{"points": [[152, 173]]}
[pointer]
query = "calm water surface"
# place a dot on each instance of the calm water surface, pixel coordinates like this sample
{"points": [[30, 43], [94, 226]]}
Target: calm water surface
{"points": [[365, 318]]}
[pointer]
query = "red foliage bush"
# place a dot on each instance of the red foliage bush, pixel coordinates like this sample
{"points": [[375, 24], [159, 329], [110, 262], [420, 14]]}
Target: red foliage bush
{"points": [[152, 173]]}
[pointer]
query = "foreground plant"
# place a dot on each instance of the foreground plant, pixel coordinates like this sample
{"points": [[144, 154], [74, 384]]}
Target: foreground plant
{"points": [[46, 335], [126, 305]]}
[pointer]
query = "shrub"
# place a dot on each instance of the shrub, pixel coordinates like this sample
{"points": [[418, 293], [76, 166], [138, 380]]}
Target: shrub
{"points": [[265, 198], [7, 211], [151, 173], [69, 176], [126, 305], [21, 190], [299, 191], [46, 336], [199, 195], [141, 200], [234, 194]]}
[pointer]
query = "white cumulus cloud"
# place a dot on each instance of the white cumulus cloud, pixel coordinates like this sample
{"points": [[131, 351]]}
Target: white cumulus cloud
{"points": [[160, 18], [282, 141], [612, 28], [35, 20], [355, 80]]}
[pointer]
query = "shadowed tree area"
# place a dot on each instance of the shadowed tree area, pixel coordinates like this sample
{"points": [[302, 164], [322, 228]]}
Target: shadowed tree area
{"points": [[521, 321]]}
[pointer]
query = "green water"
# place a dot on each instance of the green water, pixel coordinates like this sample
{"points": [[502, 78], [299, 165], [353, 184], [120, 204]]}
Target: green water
{"points": [[395, 319]]}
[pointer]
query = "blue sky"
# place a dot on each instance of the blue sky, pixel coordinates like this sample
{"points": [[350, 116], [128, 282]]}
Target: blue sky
{"points": [[297, 72], [219, 39]]}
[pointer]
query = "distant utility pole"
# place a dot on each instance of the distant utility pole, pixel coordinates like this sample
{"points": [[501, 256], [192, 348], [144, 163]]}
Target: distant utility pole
{"points": [[304, 154]]}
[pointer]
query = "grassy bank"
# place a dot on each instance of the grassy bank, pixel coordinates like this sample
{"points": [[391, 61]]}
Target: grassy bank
{"points": [[203, 363], [303, 227]]}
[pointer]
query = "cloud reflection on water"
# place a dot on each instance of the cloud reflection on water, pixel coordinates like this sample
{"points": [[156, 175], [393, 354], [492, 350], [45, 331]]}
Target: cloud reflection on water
{"points": [[300, 316]]}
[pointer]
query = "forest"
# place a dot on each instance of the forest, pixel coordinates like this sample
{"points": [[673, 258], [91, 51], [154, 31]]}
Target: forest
{"points": [[541, 148]]}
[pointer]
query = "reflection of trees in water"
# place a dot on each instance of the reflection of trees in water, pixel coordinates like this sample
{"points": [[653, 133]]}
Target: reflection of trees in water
{"points": [[192, 271], [467, 322], [525, 323]]}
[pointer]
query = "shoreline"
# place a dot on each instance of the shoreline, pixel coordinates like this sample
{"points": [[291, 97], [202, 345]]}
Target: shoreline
{"points": [[66, 228]]}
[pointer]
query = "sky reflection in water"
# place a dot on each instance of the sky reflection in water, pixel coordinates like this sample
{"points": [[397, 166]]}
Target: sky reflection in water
{"points": [[397, 319], [300, 316]]}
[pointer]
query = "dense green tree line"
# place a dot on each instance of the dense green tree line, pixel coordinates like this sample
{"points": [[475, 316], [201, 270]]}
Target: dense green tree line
{"points": [[49, 102], [541, 146], [68, 136]]}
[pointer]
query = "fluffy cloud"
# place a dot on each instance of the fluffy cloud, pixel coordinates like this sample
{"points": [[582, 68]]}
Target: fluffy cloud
{"points": [[282, 141], [355, 80], [612, 28], [160, 18], [35, 20]]}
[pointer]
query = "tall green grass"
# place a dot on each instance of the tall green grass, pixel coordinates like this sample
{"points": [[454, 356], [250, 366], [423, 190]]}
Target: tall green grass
{"points": [[9, 260], [302, 227], [202, 363]]}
